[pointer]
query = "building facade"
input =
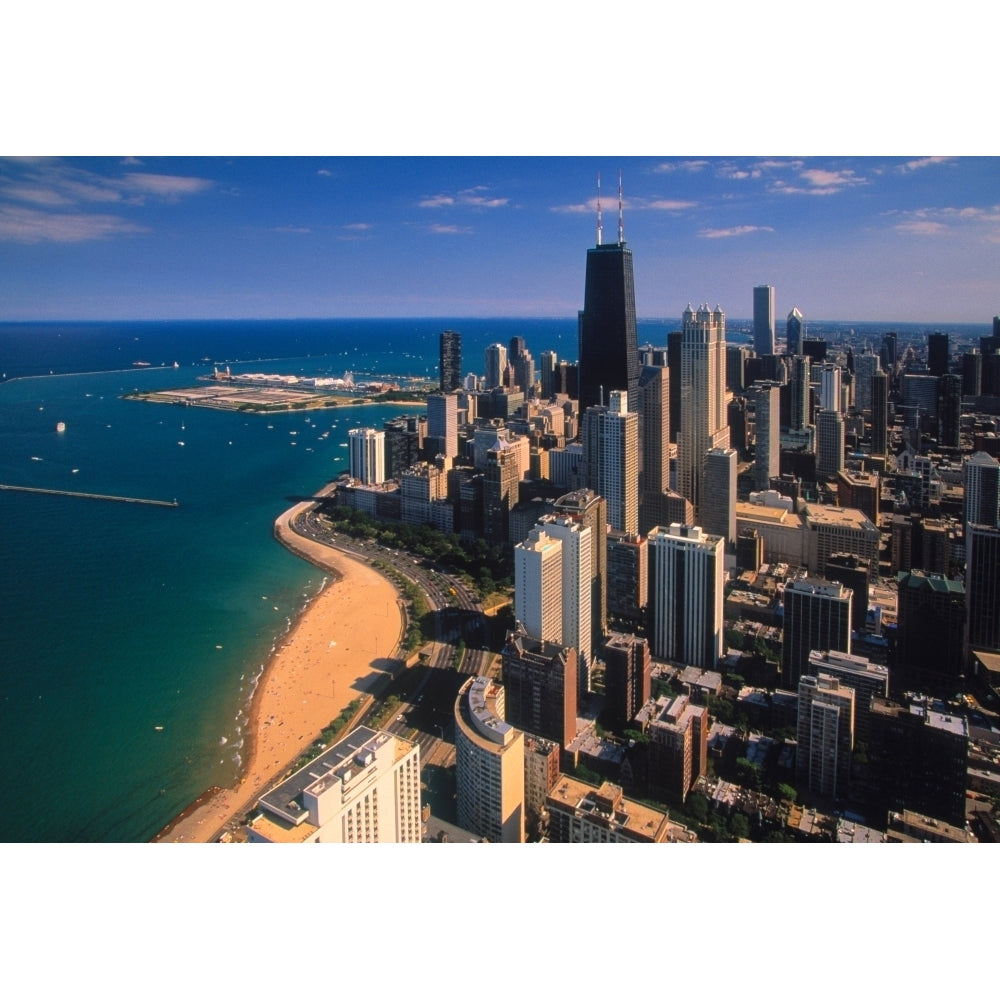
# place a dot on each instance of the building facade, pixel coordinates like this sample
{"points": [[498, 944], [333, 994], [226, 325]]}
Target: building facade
{"points": [[365, 789], [817, 615]]}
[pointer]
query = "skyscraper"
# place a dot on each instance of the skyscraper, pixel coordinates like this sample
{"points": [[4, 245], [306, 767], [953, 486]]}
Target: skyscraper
{"points": [[982, 490], [450, 368], [817, 615], [538, 603], [793, 332], [719, 508], [763, 320], [829, 443], [937, 353], [495, 362], [591, 509], [801, 393], [825, 735], [880, 412], [685, 595], [442, 422], [949, 411], [654, 399], [982, 587], [608, 347], [703, 403], [767, 403], [576, 629], [367, 454], [610, 447]]}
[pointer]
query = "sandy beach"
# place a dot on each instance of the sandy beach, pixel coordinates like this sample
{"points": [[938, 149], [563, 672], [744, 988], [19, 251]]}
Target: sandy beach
{"points": [[334, 654]]}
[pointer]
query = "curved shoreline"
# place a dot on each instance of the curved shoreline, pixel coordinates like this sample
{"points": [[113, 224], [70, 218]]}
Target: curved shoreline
{"points": [[322, 664]]}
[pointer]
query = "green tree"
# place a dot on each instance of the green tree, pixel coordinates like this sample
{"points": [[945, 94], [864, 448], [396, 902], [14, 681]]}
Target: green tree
{"points": [[739, 826]]}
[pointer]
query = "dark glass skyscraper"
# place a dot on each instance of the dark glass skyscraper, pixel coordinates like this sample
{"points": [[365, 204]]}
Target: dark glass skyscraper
{"points": [[609, 347], [450, 370], [763, 320], [937, 353]]}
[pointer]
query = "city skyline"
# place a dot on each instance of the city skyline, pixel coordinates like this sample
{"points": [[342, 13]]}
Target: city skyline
{"points": [[840, 238]]}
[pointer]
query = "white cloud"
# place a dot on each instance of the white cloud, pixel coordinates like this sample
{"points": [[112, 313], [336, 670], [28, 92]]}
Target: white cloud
{"points": [[26, 225], [715, 234], [473, 197], [450, 230], [692, 166], [360, 226], [291, 229], [323, 172], [926, 161], [667, 205], [921, 227], [165, 185]]}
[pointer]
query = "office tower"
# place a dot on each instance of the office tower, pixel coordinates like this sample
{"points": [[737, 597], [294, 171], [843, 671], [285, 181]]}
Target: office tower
{"points": [[829, 443], [766, 397], [591, 509], [918, 758], [538, 578], [880, 413], [685, 595], [627, 678], [365, 789], [825, 735], [703, 404], [611, 445], [495, 359], [489, 764], [654, 400], [450, 368], [866, 679], [981, 473], [930, 644], [442, 423], [972, 373], [404, 443], [737, 359], [628, 583], [800, 391], [982, 587], [500, 491], [675, 340], [763, 320], [831, 377], [541, 774], [817, 615], [678, 745], [719, 508], [814, 350], [949, 411], [609, 347], [540, 685], [522, 365], [793, 333], [367, 455], [860, 491], [576, 628], [889, 351], [865, 366], [420, 486], [937, 353], [549, 361]]}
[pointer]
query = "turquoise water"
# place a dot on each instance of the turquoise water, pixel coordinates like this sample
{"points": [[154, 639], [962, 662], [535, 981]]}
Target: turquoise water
{"points": [[119, 618]]}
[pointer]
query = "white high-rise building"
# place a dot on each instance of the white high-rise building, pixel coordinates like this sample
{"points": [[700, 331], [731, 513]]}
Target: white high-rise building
{"points": [[442, 422], [367, 455], [982, 490], [577, 630], [538, 583], [829, 387], [825, 732], [495, 358], [704, 423], [365, 789], [611, 457], [686, 576]]}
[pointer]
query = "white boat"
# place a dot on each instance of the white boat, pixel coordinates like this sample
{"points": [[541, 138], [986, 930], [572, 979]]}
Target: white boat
{"points": [[60, 427]]}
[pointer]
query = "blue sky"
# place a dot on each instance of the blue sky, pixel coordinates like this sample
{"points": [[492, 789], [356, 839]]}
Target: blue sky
{"points": [[907, 239]]}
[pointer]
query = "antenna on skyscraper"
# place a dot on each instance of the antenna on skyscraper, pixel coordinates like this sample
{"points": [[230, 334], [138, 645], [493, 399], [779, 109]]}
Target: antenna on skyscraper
{"points": [[621, 223], [598, 208]]}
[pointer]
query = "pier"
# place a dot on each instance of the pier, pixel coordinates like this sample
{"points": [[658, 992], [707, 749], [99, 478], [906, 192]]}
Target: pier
{"points": [[89, 496]]}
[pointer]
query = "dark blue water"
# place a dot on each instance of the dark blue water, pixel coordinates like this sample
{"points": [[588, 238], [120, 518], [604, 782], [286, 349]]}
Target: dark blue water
{"points": [[116, 618]]}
